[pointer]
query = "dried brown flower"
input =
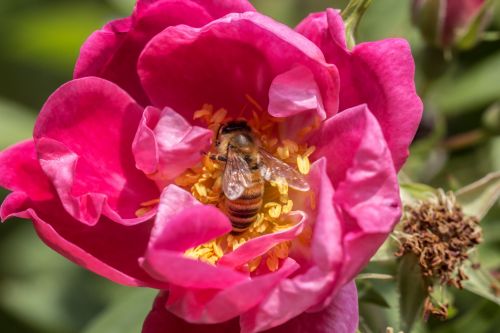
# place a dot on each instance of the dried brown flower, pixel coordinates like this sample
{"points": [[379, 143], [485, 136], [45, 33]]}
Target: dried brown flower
{"points": [[441, 236]]}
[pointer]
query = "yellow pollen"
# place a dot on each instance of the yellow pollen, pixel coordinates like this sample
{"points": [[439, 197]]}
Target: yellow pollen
{"points": [[274, 209], [272, 262], [146, 207], [254, 103], [303, 164], [254, 264], [204, 181], [219, 116]]}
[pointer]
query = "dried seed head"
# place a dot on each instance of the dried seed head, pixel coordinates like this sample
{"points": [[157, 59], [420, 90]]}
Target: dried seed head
{"points": [[441, 236]]}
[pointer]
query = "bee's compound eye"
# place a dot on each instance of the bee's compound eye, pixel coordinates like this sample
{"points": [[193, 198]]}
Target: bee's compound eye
{"points": [[242, 140]]}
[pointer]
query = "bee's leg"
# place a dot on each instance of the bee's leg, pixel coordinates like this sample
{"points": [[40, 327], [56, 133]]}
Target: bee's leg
{"points": [[216, 157]]}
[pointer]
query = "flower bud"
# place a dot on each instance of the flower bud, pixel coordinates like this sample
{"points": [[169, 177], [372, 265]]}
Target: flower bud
{"points": [[451, 23]]}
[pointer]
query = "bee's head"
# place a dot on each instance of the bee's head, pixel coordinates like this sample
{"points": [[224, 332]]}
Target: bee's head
{"points": [[236, 134], [234, 126]]}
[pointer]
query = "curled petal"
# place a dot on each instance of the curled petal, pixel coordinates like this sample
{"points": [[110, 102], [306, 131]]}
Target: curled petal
{"points": [[260, 245], [160, 320], [20, 171], [380, 74], [353, 142], [294, 92], [341, 316], [215, 306], [84, 136], [327, 235], [179, 228], [291, 297], [166, 145], [108, 249], [227, 60]]}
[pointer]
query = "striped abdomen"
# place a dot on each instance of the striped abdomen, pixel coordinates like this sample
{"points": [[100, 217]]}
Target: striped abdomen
{"points": [[243, 211]]}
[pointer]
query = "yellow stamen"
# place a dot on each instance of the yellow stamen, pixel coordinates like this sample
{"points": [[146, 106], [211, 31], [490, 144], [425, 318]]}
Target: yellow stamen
{"points": [[303, 164], [146, 207], [150, 203], [254, 264], [219, 116], [288, 207], [272, 262], [142, 211], [252, 101], [204, 113]]}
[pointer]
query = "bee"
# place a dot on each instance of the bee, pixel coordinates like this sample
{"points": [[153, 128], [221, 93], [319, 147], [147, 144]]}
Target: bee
{"points": [[247, 166]]}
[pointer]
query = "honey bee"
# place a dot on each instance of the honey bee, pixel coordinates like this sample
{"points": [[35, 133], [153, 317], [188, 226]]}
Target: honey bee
{"points": [[247, 166]]}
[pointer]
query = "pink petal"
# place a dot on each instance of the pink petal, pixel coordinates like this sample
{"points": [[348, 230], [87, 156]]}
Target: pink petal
{"points": [[359, 247], [173, 201], [215, 306], [84, 136], [166, 144], [327, 233], [365, 182], [216, 8], [176, 269], [290, 298], [108, 249], [182, 224], [222, 62], [97, 51], [380, 74], [458, 14], [160, 320], [340, 316], [260, 245], [26, 177], [112, 54], [358, 158], [293, 92]]}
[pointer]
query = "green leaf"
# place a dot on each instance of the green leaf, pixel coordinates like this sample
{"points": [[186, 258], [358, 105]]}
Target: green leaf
{"points": [[414, 192], [468, 89], [126, 315], [412, 291], [481, 283], [368, 294], [477, 198]]}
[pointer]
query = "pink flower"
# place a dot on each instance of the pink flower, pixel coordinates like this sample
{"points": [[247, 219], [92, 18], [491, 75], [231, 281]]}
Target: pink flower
{"points": [[114, 179], [446, 22]]}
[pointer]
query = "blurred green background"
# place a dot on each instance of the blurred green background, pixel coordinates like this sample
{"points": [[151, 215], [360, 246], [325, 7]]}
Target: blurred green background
{"points": [[458, 142]]}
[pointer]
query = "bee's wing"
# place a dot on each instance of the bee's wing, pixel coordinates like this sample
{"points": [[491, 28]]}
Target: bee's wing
{"points": [[237, 175], [275, 170]]}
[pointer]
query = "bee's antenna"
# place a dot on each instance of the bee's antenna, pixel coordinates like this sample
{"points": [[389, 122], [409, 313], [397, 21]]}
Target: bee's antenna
{"points": [[242, 111]]}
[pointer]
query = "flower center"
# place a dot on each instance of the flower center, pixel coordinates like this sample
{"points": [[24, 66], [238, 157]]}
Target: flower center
{"points": [[204, 181]]}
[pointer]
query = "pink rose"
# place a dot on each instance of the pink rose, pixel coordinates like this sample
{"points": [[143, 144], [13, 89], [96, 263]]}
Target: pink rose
{"points": [[445, 23], [114, 179]]}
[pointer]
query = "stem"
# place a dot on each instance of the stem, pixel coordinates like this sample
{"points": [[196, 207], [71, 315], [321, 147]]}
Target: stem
{"points": [[352, 15], [465, 140]]}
